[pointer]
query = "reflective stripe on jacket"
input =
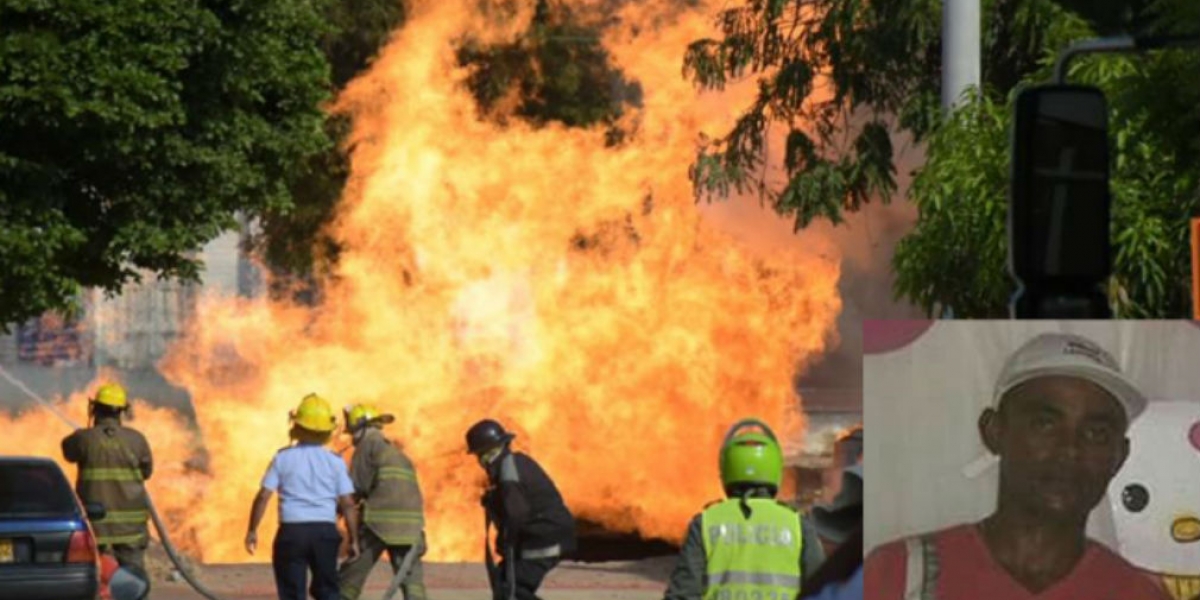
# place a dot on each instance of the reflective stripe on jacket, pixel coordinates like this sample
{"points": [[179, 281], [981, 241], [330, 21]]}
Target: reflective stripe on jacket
{"points": [[113, 461], [385, 478]]}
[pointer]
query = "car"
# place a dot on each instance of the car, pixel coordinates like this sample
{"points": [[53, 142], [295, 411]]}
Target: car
{"points": [[47, 548]]}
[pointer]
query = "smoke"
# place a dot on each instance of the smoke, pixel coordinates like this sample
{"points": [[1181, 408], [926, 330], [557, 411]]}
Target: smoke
{"points": [[864, 243]]}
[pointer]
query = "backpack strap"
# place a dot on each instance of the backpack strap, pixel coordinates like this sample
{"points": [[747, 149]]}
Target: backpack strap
{"points": [[920, 580]]}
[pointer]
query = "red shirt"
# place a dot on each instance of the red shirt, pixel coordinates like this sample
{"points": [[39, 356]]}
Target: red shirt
{"points": [[965, 570]]}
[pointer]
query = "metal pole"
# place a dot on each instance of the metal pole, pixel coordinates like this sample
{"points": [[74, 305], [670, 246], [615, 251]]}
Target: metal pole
{"points": [[961, 48], [1111, 44], [1121, 43]]}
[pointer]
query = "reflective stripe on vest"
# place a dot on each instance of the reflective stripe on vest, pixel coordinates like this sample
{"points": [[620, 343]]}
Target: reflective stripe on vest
{"points": [[550, 552], [754, 557], [508, 469], [125, 516], [378, 515], [753, 578], [108, 540], [400, 473], [110, 474]]}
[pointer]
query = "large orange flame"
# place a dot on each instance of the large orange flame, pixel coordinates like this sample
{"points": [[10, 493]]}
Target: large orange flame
{"points": [[534, 275]]}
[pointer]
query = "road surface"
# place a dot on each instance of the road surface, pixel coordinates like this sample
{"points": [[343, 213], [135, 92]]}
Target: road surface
{"points": [[633, 580]]}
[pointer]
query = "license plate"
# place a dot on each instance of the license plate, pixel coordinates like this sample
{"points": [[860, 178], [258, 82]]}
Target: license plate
{"points": [[6, 551]]}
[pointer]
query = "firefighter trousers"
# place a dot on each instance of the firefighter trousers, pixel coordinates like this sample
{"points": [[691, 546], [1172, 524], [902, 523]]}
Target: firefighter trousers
{"points": [[130, 555], [353, 573], [529, 575]]}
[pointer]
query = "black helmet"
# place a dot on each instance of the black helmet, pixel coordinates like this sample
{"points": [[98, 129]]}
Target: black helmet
{"points": [[485, 435]]}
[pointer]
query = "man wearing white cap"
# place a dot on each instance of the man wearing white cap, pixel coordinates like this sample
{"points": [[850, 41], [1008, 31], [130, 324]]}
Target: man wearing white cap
{"points": [[1057, 430]]}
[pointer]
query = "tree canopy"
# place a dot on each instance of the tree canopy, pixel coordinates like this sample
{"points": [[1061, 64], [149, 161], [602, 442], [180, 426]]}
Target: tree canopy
{"points": [[558, 67], [955, 258], [836, 76], [131, 132], [292, 238]]}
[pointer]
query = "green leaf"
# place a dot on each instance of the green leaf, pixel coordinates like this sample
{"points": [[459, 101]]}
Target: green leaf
{"points": [[133, 131]]}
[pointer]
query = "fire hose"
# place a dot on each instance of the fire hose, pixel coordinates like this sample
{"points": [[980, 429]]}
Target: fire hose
{"points": [[508, 578], [406, 566], [154, 516]]}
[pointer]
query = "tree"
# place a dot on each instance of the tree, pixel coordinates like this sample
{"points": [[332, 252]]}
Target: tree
{"points": [[559, 69], [292, 238], [131, 132], [1155, 140], [837, 75]]}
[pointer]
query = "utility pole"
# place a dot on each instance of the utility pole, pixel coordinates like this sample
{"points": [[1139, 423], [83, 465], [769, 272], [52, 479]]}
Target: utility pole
{"points": [[961, 48]]}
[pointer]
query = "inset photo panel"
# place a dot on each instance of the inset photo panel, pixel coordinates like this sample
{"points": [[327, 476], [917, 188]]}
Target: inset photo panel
{"points": [[1049, 460]]}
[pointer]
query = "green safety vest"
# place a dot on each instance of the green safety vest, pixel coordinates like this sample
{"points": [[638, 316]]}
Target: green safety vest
{"points": [[755, 557], [385, 477]]}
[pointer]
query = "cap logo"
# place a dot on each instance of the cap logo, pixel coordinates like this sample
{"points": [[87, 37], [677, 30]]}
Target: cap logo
{"points": [[1087, 351]]}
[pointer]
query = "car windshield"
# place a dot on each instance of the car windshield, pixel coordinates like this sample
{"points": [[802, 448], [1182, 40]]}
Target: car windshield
{"points": [[28, 489]]}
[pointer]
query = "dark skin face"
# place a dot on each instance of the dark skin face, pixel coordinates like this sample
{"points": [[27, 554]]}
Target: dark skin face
{"points": [[1060, 441]]}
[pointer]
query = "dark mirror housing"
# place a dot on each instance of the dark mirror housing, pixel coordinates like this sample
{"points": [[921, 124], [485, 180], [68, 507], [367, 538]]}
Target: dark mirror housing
{"points": [[1060, 249]]}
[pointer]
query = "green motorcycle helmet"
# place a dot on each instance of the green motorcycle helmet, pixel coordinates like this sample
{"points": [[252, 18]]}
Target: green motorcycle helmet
{"points": [[751, 457]]}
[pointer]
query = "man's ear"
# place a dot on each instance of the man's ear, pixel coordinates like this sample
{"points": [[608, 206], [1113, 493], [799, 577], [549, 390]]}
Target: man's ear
{"points": [[989, 430]]}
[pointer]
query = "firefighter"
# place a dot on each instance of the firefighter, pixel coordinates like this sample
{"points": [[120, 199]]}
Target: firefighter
{"points": [[385, 484], [748, 545], [534, 528], [313, 483], [114, 462]]}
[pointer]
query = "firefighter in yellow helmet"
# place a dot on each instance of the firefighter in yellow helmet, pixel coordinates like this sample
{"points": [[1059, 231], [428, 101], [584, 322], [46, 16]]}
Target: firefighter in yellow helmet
{"points": [[385, 482], [114, 462], [748, 545], [313, 483]]}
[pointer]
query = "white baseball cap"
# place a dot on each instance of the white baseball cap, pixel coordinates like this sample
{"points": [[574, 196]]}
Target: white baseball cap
{"points": [[1068, 355]]}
